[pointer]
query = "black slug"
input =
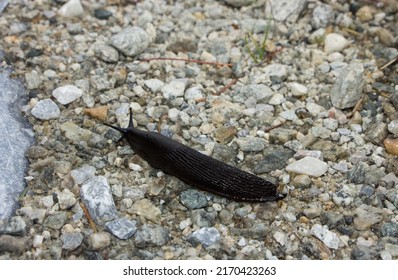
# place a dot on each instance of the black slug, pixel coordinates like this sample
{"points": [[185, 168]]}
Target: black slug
{"points": [[197, 169]]}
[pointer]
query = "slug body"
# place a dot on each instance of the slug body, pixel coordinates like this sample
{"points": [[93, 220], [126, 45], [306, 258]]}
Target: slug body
{"points": [[197, 169]]}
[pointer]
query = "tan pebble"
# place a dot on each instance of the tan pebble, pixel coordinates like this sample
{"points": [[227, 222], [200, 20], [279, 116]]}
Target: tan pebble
{"points": [[99, 240], [324, 256], [385, 37], [225, 134], [100, 113], [391, 146], [168, 255], [364, 14], [304, 220]]}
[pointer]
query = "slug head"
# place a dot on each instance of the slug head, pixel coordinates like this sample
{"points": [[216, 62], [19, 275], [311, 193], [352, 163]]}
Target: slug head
{"points": [[124, 131]]}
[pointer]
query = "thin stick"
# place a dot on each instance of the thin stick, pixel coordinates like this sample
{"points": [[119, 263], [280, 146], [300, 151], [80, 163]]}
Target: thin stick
{"points": [[230, 84], [186, 60], [87, 214], [356, 107], [395, 59], [274, 126]]}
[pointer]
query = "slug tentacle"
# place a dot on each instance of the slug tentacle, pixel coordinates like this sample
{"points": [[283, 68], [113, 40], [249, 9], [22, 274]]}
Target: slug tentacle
{"points": [[197, 169]]}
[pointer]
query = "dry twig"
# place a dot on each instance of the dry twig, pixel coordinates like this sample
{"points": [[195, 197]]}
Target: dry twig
{"points": [[186, 60], [87, 214]]}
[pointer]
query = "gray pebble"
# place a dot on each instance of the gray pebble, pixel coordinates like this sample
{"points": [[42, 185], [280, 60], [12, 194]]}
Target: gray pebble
{"points": [[154, 85], [71, 240], [322, 16], [205, 236], [332, 220], [393, 127], [12, 244], [281, 135], [347, 89], [122, 228], [392, 249], [312, 211], [361, 252], [377, 133], [74, 28], [357, 174], [193, 199], [83, 173], [14, 226], [251, 144], [276, 72], [225, 216], [46, 110], [97, 197], [32, 80], [260, 92], [366, 216], [389, 229], [289, 10], [102, 83], [74, 132], [273, 159], [131, 41], [201, 218], [366, 190], [174, 89], [151, 235], [57, 220], [106, 53]]}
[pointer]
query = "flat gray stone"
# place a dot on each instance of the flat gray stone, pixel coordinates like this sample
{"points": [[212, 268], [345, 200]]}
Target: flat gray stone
{"points": [[71, 240], [46, 110], [206, 236], [97, 197], [151, 235], [289, 10], [122, 228], [347, 89], [15, 138], [82, 174], [106, 53], [131, 41]]}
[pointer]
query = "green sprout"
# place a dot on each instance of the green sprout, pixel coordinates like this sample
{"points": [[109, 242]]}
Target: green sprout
{"points": [[256, 49]]}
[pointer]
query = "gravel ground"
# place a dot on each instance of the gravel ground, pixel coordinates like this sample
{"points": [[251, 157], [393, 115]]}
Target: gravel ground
{"points": [[314, 108]]}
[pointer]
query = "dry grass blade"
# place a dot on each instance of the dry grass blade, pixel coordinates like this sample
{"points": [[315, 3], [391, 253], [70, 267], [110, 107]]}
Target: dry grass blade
{"points": [[391, 62]]}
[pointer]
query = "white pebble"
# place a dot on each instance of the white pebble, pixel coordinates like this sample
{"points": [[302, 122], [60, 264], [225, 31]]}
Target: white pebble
{"points": [[298, 89], [37, 241], [308, 166], [135, 167], [328, 237], [335, 43]]}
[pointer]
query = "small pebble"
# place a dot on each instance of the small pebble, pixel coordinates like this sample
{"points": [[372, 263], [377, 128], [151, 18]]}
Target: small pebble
{"points": [[46, 110], [205, 236], [67, 94]]}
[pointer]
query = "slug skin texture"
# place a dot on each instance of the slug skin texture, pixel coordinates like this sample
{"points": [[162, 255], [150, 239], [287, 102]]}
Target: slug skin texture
{"points": [[197, 169]]}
